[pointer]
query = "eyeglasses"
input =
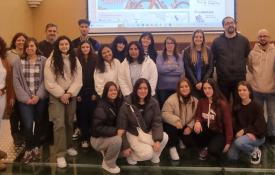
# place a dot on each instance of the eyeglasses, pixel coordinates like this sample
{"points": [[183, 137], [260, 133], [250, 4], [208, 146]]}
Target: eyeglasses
{"points": [[263, 36]]}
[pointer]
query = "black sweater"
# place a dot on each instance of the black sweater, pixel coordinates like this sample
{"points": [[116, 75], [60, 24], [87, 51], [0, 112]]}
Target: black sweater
{"points": [[230, 57], [250, 118]]}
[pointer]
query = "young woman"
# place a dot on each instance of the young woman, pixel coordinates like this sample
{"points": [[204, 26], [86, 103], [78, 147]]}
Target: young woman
{"points": [[63, 80], [119, 46], [148, 44], [14, 54], [28, 80], [249, 125], [136, 66], [178, 113], [213, 121], [141, 110], [86, 99], [106, 69], [198, 62], [105, 137], [170, 68], [6, 91]]}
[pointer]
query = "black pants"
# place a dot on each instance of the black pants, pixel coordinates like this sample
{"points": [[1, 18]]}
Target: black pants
{"points": [[214, 141], [16, 126], [176, 134], [228, 88], [85, 109]]}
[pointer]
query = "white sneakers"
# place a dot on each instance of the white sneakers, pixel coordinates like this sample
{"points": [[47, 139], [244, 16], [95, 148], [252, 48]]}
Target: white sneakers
{"points": [[61, 162], [131, 161], [256, 156], [114, 170], [72, 152], [174, 153], [155, 159]]}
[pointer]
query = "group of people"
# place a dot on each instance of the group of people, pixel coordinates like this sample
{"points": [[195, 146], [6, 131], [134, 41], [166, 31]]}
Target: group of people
{"points": [[132, 100]]}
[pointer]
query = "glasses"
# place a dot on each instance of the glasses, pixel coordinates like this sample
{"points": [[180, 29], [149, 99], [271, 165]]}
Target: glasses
{"points": [[263, 36], [229, 23]]}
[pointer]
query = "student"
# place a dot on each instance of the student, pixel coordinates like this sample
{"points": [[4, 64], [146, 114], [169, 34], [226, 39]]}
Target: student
{"points": [[213, 121], [106, 69], [148, 44], [13, 55], [84, 28], [119, 47], [46, 46], [105, 137], [28, 80], [63, 80], [6, 91], [141, 110], [198, 62], [249, 125], [86, 99], [170, 69], [178, 114], [136, 66]]}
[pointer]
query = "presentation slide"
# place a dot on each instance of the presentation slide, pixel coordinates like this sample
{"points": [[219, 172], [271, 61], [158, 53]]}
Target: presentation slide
{"points": [[122, 16]]}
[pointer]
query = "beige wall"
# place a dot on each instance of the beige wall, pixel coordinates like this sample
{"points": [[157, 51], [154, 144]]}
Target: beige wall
{"points": [[15, 15]]}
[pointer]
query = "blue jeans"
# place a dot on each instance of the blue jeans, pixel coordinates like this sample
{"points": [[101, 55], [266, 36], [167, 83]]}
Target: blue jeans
{"points": [[243, 144], [29, 114], [269, 99]]}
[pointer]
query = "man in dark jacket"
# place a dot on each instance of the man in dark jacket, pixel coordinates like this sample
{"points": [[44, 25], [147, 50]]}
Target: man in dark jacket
{"points": [[230, 51]]}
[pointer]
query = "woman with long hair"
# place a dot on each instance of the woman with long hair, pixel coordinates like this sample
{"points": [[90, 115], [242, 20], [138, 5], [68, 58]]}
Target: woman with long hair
{"points": [[147, 42], [119, 46], [178, 114], [6, 90], [170, 69], [141, 110], [198, 62], [86, 98], [13, 55], [28, 80], [106, 69], [63, 80], [249, 125], [105, 137], [213, 121], [136, 66]]}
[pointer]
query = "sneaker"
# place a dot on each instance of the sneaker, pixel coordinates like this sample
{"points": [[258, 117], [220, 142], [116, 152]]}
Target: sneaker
{"points": [[72, 152], [203, 154], [27, 157], [181, 144], [113, 170], [256, 156], [76, 134], [174, 153], [155, 159], [36, 153], [131, 161], [84, 144], [61, 162]]}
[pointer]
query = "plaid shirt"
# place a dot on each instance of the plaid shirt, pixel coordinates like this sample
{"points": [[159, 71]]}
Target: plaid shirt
{"points": [[31, 73]]}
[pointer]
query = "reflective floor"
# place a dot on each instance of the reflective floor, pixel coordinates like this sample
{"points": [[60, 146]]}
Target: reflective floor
{"points": [[88, 162]]}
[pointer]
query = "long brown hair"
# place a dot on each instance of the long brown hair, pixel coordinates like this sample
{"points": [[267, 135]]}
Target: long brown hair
{"points": [[194, 53]]}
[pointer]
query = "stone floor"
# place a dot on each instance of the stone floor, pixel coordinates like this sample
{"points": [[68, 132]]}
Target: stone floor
{"points": [[88, 162]]}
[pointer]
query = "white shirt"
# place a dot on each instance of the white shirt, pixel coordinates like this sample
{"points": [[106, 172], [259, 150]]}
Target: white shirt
{"points": [[3, 75]]}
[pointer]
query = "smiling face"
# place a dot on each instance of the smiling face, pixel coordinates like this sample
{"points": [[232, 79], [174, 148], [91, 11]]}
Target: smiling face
{"points": [[243, 92], [112, 93], [208, 90], [229, 25], [184, 89], [107, 54], [170, 45], [120, 47], [31, 48], [198, 39], [133, 51], [51, 33], [85, 48], [146, 41], [263, 37], [19, 42], [142, 91], [64, 46]]}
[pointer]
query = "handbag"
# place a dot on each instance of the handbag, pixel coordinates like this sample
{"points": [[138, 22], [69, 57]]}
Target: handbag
{"points": [[142, 136]]}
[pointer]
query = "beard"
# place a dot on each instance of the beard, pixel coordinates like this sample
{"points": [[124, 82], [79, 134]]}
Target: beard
{"points": [[231, 30], [263, 43]]}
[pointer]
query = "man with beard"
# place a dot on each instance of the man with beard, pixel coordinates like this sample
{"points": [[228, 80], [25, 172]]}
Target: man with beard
{"points": [[46, 46], [261, 76], [230, 51]]}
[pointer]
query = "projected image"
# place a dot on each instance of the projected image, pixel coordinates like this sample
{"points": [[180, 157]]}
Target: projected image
{"points": [[142, 4], [157, 15]]}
